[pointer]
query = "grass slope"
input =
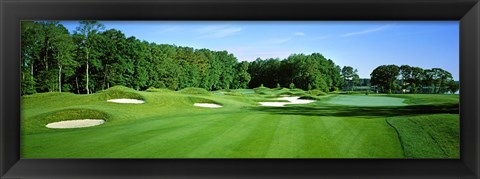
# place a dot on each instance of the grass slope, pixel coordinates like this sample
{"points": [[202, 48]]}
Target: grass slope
{"points": [[169, 126], [429, 136]]}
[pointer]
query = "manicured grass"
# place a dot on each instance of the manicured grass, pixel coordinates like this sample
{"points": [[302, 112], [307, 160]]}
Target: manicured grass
{"points": [[429, 136], [367, 100], [169, 126], [428, 99]]}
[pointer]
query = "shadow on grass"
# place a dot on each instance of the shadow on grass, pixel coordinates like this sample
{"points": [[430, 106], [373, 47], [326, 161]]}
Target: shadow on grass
{"points": [[361, 110]]}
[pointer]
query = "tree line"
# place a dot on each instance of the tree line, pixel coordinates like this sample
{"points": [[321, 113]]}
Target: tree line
{"points": [[306, 72], [93, 59], [410, 79]]}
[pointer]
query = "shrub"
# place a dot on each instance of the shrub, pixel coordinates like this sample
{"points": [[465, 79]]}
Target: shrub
{"points": [[316, 92], [159, 84], [292, 86]]}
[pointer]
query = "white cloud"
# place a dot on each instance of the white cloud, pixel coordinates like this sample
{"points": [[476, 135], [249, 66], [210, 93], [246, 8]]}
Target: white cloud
{"points": [[217, 31], [367, 31], [299, 34]]}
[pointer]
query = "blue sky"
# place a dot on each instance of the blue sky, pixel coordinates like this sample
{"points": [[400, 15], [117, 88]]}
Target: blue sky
{"points": [[364, 45]]}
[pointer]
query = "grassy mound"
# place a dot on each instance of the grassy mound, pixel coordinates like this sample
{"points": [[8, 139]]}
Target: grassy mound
{"points": [[70, 114], [428, 136], [48, 94], [202, 100], [194, 91], [234, 94], [270, 100], [159, 90], [278, 92], [244, 91], [316, 93], [261, 90], [308, 97], [120, 92], [286, 93], [63, 115]]}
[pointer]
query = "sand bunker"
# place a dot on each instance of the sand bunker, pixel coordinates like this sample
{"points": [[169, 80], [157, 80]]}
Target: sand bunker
{"points": [[207, 105], [75, 123], [291, 100], [126, 101]]}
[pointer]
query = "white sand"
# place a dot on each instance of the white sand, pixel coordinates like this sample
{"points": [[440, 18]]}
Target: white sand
{"points": [[291, 100], [274, 104], [126, 101], [75, 123], [207, 105]]}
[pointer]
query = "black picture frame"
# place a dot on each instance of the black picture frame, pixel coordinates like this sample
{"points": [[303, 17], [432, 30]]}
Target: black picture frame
{"points": [[467, 12]]}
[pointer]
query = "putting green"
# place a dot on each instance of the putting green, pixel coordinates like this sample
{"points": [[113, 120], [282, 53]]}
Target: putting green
{"points": [[357, 100]]}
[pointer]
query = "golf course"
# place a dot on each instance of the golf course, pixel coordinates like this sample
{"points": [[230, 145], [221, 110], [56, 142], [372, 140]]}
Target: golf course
{"points": [[239, 89], [169, 125]]}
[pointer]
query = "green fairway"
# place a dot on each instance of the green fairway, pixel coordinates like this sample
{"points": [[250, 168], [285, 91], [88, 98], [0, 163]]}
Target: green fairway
{"points": [[168, 125], [365, 100]]}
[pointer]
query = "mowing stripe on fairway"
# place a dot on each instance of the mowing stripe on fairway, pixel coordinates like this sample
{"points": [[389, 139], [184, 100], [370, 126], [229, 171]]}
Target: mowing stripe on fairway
{"points": [[288, 138], [169, 126]]}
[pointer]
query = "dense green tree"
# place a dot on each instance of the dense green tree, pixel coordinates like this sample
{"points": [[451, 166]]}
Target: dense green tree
{"points": [[385, 77], [242, 78], [452, 86], [306, 71], [350, 77], [32, 43], [440, 80], [47, 68], [88, 31], [113, 45], [47, 54], [411, 77], [62, 50]]}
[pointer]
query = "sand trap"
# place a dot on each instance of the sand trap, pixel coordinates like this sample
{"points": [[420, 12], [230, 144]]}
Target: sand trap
{"points": [[126, 101], [207, 105], [275, 104], [291, 100], [75, 123]]}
